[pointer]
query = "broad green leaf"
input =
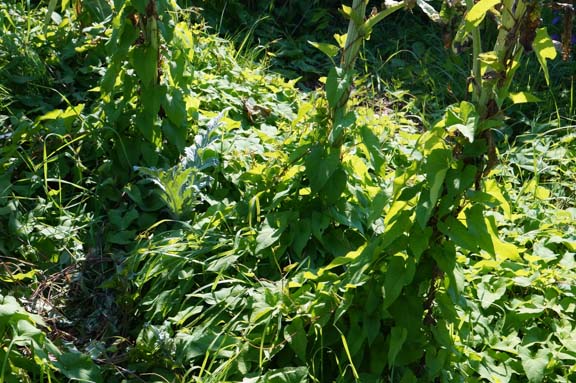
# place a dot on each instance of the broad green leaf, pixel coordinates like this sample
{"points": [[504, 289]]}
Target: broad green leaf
{"points": [[445, 256], [419, 240], [409, 377], [522, 97], [424, 208], [175, 134], [282, 375], [478, 228], [490, 290], [544, 49], [397, 338], [321, 164], [78, 367], [296, 337], [337, 83], [19, 276], [396, 226], [175, 108], [144, 60], [458, 233], [464, 119], [496, 189], [51, 7], [399, 273], [534, 364], [148, 124], [477, 13], [267, 236], [328, 49], [346, 11], [350, 13], [490, 59], [341, 123], [437, 164], [348, 258], [502, 250]]}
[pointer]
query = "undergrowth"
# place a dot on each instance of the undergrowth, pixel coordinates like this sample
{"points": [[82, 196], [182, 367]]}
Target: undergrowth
{"points": [[235, 248]]}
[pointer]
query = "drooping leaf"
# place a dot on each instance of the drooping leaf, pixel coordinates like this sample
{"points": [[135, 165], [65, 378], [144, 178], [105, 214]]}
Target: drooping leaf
{"points": [[296, 337], [145, 62], [328, 49], [337, 84], [321, 164], [397, 338], [544, 49]]}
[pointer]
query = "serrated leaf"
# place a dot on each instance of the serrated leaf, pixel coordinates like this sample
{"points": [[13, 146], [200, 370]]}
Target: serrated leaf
{"points": [[544, 49]]}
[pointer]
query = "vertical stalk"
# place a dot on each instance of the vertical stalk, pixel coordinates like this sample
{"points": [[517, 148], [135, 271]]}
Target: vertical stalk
{"points": [[476, 50], [354, 38]]}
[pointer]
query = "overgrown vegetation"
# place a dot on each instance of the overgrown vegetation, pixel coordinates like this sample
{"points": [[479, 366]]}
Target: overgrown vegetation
{"points": [[172, 209]]}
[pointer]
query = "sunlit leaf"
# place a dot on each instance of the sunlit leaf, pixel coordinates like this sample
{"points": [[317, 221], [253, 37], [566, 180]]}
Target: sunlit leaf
{"points": [[328, 49], [534, 364], [522, 97], [477, 13], [544, 49]]}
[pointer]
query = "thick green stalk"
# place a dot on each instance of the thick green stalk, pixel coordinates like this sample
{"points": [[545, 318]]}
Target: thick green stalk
{"points": [[354, 38], [476, 50], [355, 35]]}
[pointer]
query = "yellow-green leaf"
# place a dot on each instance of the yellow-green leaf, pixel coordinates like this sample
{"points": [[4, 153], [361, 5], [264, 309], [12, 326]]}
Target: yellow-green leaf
{"points": [[340, 39], [544, 49], [478, 11], [328, 49], [523, 97]]}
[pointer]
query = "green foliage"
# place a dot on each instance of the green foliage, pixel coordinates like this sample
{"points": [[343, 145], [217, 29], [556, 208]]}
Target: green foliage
{"points": [[173, 212], [27, 355]]}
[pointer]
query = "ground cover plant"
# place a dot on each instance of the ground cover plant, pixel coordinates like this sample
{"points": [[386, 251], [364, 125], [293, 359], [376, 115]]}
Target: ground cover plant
{"points": [[172, 209]]}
